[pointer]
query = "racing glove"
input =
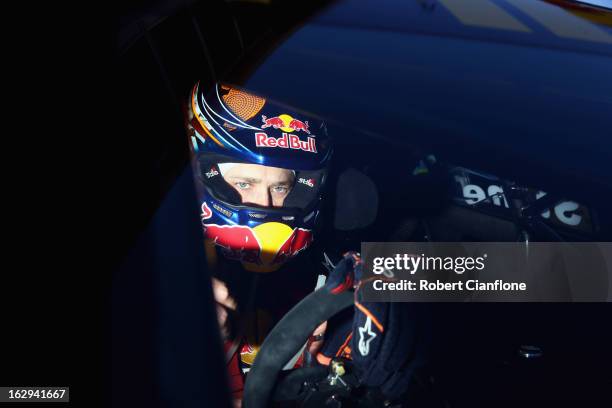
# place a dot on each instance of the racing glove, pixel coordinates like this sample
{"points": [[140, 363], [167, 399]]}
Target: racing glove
{"points": [[384, 340]]}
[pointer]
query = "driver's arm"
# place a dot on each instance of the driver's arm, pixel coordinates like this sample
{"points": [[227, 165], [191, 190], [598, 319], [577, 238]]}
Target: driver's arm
{"points": [[225, 304]]}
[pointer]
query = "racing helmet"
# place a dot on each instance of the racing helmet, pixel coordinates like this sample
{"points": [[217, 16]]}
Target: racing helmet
{"points": [[229, 126]]}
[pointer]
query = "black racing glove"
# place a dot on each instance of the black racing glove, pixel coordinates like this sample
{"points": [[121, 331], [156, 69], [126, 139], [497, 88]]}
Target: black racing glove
{"points": [[386, 341]]}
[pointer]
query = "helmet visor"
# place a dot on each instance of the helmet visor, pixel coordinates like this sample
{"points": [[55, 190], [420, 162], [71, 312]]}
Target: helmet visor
{"points": [[252, 185]]}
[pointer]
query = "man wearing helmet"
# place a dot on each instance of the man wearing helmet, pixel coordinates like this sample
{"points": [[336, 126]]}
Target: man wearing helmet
{"points": [[261, 171]]}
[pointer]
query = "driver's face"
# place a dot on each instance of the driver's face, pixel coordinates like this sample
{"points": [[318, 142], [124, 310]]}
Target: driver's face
{"points": [[260, 185]]}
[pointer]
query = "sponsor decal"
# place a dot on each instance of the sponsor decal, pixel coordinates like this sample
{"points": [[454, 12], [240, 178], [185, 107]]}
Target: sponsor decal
{"points": [[286, 123], [487, 192], [565, 212], [473, 193], [212, 173], [206, 212], [222, 210], [286, 141], [267, 245], [298, 241], [257, 327], [238, 242], [257, 215], [248, 351], [308, 182]]}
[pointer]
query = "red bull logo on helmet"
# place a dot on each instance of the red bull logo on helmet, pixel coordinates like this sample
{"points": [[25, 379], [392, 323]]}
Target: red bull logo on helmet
{"points": [[286, 141], [263, 248], [299, 240], [237, 241], [286, 123]]}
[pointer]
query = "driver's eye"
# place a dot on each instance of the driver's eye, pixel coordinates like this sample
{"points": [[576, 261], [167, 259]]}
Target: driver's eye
{"points": [[280, 189], [242, 185]]}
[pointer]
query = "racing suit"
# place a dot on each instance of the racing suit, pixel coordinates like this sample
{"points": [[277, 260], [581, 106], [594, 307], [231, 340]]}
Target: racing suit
{"points": [[262, 299], [383, 340]]}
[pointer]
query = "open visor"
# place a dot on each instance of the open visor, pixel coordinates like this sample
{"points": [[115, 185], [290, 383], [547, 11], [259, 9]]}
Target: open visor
{"points": [[303, 186]]}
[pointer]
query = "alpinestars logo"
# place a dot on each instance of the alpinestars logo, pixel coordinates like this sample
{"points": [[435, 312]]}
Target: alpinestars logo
{"points": [[212, 173], [366, 335], [308, 182]]}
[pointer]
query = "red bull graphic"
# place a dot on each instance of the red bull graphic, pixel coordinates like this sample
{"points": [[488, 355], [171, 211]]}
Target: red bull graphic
{"points": [[206, 212], [258, 325], [274, 122], [286, 142], [263, 248], [299, 240], [299, 125], [237, 241], [248, 353], [286, 123]]}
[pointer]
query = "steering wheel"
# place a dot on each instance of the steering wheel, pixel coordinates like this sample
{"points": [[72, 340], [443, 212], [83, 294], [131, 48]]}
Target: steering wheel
{"points": [[286, 339]]}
